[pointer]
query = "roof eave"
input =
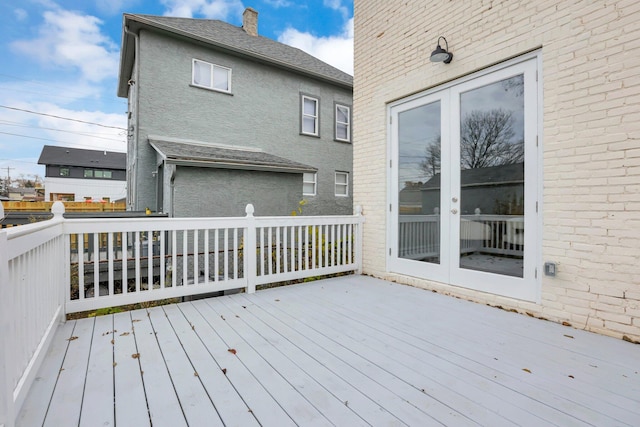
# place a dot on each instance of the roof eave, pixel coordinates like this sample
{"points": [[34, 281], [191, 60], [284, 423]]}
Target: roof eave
{"points": [[238, 166]]}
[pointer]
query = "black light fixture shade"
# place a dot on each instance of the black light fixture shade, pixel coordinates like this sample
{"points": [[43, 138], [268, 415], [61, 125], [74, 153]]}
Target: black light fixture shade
{"points": [[440, 54]]}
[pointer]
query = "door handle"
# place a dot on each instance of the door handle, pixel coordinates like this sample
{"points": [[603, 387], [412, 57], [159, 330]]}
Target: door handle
{"points": [[454, 211], [454, 199]]}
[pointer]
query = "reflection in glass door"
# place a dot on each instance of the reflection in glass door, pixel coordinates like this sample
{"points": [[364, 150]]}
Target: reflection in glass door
{"points": [[491, 180], [418, 183]]}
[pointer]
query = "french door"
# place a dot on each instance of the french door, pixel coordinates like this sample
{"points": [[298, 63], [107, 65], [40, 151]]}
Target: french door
{"points": [[464, 183]]}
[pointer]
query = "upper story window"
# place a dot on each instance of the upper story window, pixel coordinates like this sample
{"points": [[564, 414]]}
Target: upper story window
{"points": [[343, 123], [309, 183], [211, 76], [342, 184], [97, 173], [309, 119], [64, 171]]}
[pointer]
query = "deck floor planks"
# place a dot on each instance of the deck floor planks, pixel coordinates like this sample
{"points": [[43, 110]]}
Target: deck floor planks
{"points": [[344, 337], [261, 403], [338, 400], [130, 401], [35, 406], [164, 407], [196, 404], [300, 410], [376, 387], [439, 384], [97, 404], [227, 402], [66, 402], [579, 411], [587, 381], [581, 408]]}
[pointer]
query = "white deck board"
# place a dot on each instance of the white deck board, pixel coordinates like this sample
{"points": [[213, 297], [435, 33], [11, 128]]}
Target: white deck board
{"points": [[344, 351], [97, 408], [130, 400], [66, 402], [35, 407]]}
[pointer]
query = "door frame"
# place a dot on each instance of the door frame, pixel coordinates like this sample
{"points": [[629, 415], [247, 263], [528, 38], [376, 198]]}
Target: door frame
{"points": [[526, 288]]}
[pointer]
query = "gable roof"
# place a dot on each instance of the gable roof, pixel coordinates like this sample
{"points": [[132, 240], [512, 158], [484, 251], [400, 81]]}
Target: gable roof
{"points": [[226, 37], [65, 156], [493, 175], [214, 156]]}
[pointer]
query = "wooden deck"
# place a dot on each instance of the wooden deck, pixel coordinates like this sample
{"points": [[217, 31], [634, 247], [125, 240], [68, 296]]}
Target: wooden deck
{"points": [[346, 352]]}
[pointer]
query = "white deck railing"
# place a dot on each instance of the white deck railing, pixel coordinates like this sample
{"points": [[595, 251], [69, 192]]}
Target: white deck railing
{"points": [[419, 235], [62, 266]]}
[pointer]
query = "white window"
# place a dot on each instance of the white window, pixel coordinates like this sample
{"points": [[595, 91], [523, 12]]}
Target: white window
{"points": [[309, 182], [342, 184], [309, 115], [343, 123], [211, 76]]}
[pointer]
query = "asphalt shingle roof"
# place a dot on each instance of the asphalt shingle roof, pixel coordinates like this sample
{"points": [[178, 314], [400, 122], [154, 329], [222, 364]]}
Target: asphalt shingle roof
{"points": [[221, 157], [100, 159]]}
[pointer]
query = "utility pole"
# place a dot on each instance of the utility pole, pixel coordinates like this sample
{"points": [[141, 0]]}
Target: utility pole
{"points": [[8, 181]]}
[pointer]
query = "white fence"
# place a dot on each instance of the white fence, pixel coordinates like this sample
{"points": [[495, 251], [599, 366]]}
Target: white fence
{"points": [[62, 266], [419, 235]]}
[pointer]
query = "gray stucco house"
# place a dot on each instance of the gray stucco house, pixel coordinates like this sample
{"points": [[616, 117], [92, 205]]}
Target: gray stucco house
{"points": [[220, 116]]}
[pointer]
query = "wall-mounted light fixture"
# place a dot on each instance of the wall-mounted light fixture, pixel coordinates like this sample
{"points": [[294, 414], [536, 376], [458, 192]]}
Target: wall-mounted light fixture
{"points": [[440, 54]]}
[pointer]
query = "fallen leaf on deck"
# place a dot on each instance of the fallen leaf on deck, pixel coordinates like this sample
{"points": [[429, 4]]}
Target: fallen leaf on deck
{"points": [[135, 320], [124, 334], [195, 374], [113, 342], [277, 300], [115, 364], [571, 376], [72, 338], [224, 371], [222, 317], [244, 306], [568, 336], [136, 355], [232, 351], [526, 370]]}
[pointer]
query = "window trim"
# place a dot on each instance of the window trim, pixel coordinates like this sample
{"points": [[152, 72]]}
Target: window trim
{"points": [[345, 185], [336, 122], [316, 132], [212, 66], [314, 182]]}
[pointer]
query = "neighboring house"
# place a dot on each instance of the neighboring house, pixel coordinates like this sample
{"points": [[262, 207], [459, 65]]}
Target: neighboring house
{"points": [[549, 85], [220, 117], [74, 174], [24, 194]]}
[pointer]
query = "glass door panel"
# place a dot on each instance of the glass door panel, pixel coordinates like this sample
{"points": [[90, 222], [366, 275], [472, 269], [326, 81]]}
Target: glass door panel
{"points": [[418, 183], [492, 187]]}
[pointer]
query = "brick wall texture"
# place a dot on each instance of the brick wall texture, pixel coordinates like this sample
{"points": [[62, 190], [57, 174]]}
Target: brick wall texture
{"points": [[590, 52]]}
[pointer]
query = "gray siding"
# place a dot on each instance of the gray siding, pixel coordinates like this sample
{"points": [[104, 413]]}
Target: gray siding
{"points": [[263, 111], [205, 192]]}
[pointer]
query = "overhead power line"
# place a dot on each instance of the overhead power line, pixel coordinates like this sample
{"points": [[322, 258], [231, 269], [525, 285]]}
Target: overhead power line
{"points": [[59, 117], [47, 139]]}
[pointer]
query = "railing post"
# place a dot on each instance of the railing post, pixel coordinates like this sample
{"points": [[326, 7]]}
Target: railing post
{"points": [[57, 209], [359, 238], [250, 251], [7, 405]]}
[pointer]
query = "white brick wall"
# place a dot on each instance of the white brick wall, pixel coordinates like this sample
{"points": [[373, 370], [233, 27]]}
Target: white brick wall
{"points": [[591, 135]]}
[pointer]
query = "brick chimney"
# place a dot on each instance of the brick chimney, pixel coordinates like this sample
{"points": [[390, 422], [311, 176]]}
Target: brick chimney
{"points": [[250, 21]]}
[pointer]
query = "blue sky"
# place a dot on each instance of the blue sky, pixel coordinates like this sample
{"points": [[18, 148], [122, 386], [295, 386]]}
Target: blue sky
{"points": [[60, 61]]}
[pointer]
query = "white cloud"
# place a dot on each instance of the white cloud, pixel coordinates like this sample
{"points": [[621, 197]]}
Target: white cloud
{"points": [[71, 40], [337, 5], [335, 50], [212, 9], [278, 3], [21, 14]]}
